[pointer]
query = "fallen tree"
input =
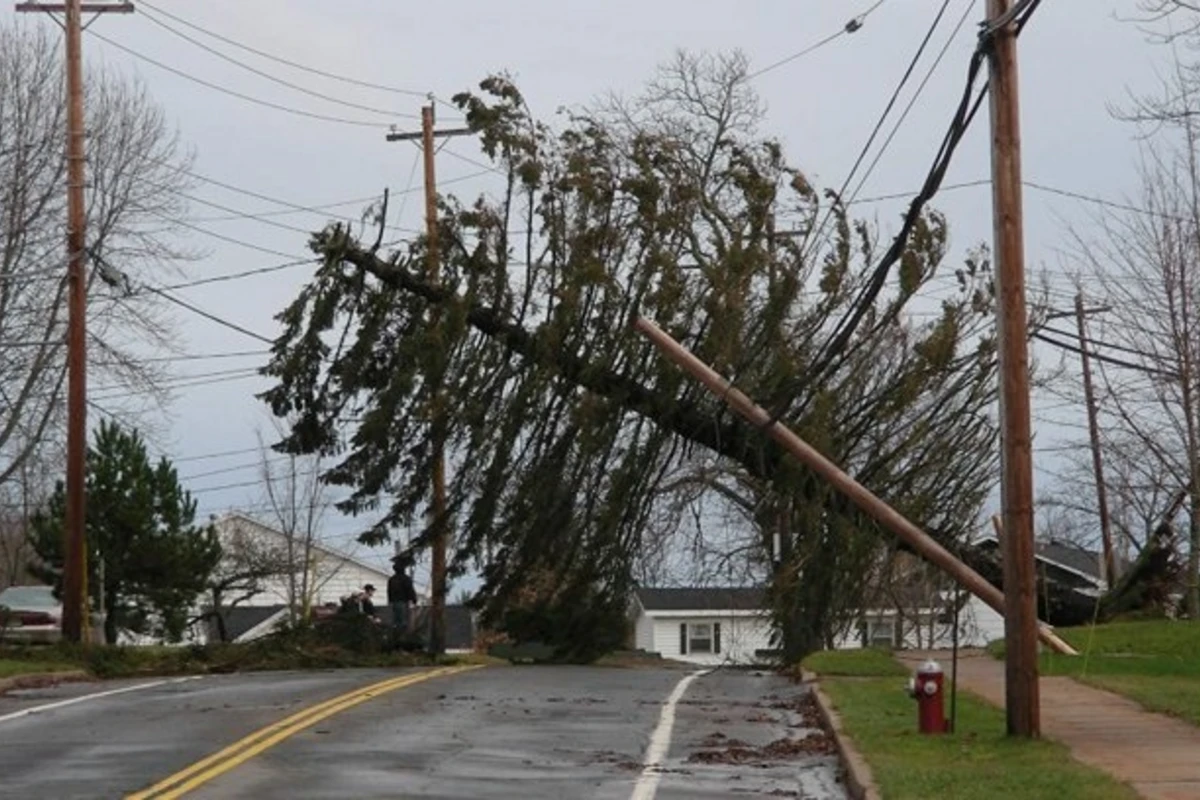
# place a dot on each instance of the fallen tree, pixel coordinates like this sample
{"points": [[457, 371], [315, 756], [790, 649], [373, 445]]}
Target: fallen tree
{"points": [[567, 434]]}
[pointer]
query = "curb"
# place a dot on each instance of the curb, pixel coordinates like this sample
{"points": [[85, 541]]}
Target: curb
{"points": [[34, 680], [859, 782]]}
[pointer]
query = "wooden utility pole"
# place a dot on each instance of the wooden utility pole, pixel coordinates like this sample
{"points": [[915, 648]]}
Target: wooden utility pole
{"points": [[441, 522], [1016, 478], [1089, 396], [74, 591]]}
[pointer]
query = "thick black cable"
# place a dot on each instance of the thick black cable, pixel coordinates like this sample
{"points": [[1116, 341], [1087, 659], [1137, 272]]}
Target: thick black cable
{"points": [[964, 115]]}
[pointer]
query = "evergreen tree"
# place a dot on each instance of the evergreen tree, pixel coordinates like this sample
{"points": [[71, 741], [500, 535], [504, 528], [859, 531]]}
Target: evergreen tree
{"points": [[147, 560]]}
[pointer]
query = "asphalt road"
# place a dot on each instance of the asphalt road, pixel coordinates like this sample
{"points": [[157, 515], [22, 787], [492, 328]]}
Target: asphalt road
{"points": [[498, 732]]}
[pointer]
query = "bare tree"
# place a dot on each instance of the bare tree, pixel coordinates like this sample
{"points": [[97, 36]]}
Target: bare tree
{"points": [[134, 200], [296, 501], [20, 498], [1148, 264], [248, 562]]}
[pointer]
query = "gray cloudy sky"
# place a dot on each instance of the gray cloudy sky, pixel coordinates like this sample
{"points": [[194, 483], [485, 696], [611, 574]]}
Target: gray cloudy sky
{"points": [[1076, 58]]}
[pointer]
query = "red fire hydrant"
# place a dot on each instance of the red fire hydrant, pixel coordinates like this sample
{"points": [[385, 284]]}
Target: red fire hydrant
{"points": [[926, 686]]}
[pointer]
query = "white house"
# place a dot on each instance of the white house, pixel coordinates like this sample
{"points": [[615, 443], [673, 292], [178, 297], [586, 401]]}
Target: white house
{"points": [[331, 575], [714, 626], [703, 626], [732, 625], [927, 623]]}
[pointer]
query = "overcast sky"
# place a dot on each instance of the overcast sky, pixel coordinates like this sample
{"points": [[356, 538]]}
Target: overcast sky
{"points": [[1077, 58]]}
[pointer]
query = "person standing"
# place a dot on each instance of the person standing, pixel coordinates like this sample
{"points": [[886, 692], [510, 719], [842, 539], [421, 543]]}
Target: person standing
{"points": [[401, 595]]}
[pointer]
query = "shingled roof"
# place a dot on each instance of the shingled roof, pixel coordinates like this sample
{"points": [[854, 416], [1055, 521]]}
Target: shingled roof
{"points": [[702, 599]]}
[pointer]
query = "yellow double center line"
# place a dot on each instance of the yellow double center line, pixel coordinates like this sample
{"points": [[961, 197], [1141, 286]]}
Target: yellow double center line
{"points": [[250, 746]]}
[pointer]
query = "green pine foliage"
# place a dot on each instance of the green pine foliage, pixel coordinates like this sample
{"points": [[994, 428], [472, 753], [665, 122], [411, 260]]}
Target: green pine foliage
{"points": [[146, 555]]}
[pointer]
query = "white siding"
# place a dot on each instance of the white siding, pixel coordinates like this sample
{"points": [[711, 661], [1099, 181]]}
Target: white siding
{"points": [[332, 577], [982, 624], [978, 624], [741, 636], [643, 634]]}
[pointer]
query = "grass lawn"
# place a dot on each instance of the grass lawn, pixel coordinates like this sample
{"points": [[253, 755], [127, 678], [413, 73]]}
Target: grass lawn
{"points": [[1155, 663], [977, 763], [854, 663], [12, 667]]}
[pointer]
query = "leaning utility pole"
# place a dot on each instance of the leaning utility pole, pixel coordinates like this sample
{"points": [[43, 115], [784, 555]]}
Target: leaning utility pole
{"points": [[441, 522], [1089, 397], [1016, 478], [74, 590]]}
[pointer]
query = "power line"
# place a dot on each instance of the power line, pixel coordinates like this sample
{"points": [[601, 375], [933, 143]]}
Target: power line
{"points": [[472, 162], [283, 212], [245, 215], [293, 64], [262, 218], [318, 209], [969, 6], [224, 90], [180, 382], [234, 276], [208, 315], [193, 356], [221, 236], [850, 27], [964, 114], [270, 77], [239, 468], [1109, 345], [1106, 359], [1109, 203], [222, 454], [246, 484], [887, 110], [950, 187]]}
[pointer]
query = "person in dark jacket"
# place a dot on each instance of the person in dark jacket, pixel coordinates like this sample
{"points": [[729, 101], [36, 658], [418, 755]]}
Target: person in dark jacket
{"points": [[401, 594], [368, 603]]}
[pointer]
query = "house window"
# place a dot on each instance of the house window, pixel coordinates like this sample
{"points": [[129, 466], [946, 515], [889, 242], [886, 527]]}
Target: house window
{"points": [[882, 633], [700, 637]]}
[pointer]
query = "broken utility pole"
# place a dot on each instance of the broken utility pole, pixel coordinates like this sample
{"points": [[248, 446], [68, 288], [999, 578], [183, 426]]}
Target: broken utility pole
{"points": [[441, 523], [904, 529], [1016, 474], [74, 590]]}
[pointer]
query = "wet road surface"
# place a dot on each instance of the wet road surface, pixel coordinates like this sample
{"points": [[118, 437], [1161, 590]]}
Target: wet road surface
{"points": [[500, 732]]}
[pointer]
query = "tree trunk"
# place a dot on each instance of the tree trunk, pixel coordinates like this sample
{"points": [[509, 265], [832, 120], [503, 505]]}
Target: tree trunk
{"points": [[110, 619]]}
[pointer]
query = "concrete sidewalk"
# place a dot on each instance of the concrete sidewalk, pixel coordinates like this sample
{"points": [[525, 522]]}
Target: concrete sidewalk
{"points": [[1158, 755]]}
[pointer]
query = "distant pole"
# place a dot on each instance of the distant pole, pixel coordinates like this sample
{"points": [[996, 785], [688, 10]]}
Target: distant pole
{"points": [[1016, 478], [441, 522], [1089, 395], [74, 591], [957, 600]]}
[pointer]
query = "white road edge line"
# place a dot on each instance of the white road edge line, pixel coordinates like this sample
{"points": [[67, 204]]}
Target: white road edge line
{"points": [[660, 741], [94, 696]]}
